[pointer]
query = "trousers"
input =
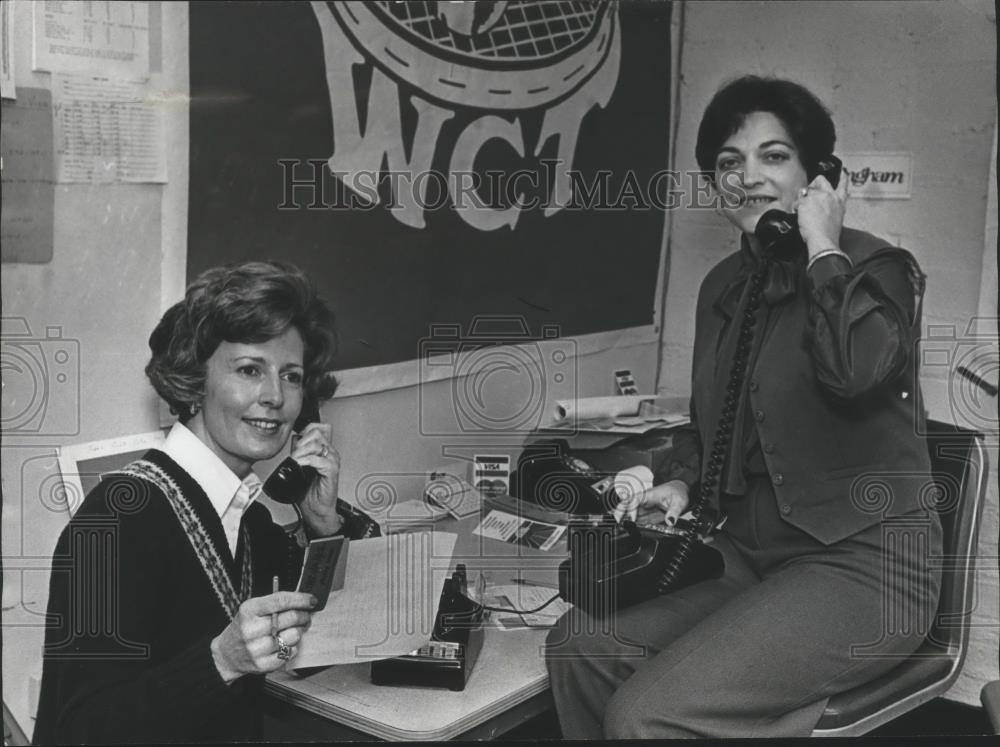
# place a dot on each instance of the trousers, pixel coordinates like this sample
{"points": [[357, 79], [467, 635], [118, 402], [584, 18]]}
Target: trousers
{"points": [[759, 651]]}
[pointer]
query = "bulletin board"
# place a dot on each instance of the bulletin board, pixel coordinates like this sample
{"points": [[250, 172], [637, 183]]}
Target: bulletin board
{"points": [[340, 137]]}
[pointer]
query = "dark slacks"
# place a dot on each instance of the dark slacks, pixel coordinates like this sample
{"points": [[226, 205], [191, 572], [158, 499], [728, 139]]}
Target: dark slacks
{"points": [[759, 651]]}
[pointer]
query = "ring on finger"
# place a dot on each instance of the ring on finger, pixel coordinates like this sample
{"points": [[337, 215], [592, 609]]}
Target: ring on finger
{"points": [[323, 451], [284, 650], [804, 191]]}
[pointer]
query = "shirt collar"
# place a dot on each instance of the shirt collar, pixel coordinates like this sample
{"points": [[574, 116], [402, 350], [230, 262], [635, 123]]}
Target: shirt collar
{"points": [[208, 470], [783, 280]]}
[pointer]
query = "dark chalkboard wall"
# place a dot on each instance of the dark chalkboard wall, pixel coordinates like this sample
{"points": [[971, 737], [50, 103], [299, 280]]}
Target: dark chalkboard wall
{"points": [[260, 95]]}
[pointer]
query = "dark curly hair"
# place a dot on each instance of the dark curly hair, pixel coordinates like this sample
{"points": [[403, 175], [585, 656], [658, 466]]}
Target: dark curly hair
{"points": [[808, 122], [248, 303]]}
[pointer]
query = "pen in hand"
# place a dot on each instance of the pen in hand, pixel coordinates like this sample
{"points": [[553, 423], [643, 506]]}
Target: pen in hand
{"points": [[275, 588]]}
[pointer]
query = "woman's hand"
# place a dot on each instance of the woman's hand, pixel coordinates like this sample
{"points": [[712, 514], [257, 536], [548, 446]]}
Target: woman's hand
{"points": [[821, 214], [314, 449], [247, 645], [670, 497]]}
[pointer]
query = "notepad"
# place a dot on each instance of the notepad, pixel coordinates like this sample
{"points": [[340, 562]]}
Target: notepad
{"points": [[324, 568]]}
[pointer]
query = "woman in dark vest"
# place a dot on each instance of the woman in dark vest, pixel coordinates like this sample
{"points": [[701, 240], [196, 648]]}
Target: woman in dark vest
{"points": [[827, 580], [162, 617]]}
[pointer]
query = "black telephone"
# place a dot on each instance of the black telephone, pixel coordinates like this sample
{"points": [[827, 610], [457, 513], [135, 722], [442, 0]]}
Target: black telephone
{"points": [[550, 476], [778, 231], [610, 566], [447, 659], [290, 482]]}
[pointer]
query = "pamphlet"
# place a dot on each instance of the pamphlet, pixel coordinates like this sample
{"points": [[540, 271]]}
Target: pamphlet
{"points": [[518, 530]]}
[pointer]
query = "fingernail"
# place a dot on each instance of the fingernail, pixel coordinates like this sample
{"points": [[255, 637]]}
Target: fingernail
{"points": [[313, 601], [671, 520]]}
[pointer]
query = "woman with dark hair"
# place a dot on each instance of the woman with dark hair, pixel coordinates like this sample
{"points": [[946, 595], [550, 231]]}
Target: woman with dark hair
{"points": [[162, 614], [826, 544]]}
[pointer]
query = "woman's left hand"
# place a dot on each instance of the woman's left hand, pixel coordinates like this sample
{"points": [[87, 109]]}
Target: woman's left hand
{"points": [[821, 214], [315, 449]]}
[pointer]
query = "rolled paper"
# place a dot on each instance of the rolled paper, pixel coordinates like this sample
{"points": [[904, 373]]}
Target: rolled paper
{"points": [[593, 408], [633, 482]]}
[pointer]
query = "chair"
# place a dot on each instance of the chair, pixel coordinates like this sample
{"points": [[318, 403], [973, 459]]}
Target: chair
{"points": [[959, 463], [990, 695]]}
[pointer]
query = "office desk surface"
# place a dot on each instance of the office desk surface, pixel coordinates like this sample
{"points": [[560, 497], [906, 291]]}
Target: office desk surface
{"points": [[510, 669]]}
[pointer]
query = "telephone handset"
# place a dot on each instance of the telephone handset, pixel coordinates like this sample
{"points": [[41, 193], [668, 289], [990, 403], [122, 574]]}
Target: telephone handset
{"points": [[290, 482], [778, 231]]}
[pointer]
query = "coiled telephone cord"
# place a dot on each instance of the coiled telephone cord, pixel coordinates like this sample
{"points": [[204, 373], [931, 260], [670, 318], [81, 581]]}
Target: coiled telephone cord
{"points": [[724, 432]]}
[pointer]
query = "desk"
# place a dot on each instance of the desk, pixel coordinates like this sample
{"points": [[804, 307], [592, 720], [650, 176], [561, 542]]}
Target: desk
{"points": [[508, 684]]}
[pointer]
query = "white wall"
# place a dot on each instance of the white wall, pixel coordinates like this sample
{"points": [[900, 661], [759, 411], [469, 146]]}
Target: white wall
{"points": [[898, 76]]}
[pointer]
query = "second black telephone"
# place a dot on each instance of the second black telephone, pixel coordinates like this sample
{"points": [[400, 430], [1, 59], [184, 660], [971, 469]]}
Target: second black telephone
{"points": [[778, 231], [610, 566]]}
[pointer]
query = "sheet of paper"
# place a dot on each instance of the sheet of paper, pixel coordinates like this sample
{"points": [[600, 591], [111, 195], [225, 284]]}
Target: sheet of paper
{"points": [[107, 131], [525, 597], [26, 221], [7, 50], [388, 604], [109, 37], [518, 530]]}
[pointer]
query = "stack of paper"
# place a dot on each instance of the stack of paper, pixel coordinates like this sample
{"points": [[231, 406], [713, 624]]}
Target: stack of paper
{"points": [[454, 494], [409, 515]]}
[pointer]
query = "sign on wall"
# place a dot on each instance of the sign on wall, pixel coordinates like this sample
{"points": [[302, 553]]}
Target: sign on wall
{"points": [[879, 175], [432, 163]]}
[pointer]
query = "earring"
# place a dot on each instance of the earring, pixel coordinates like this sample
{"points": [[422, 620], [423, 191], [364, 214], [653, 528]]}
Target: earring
{"points": [[195, 408]]}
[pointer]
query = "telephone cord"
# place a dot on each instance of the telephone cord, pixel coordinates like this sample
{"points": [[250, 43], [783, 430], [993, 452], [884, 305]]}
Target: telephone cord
{"points": [[521, 612], [724, 430]]}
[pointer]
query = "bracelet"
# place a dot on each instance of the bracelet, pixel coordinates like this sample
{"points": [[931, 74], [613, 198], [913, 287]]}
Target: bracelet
{"points": [[828, 253]]}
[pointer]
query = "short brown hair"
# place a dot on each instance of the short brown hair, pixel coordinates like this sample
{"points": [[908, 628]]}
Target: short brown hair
{"points": [[804, 116], [250, 302]]}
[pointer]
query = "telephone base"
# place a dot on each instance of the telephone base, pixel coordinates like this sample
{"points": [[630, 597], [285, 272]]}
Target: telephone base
{"points": [[438, 664], [447, 659], [612, 567]]}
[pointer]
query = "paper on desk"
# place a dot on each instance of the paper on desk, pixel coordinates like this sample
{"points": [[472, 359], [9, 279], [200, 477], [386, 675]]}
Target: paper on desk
{"points": [[525, 597], [410, 514], [624, 414], [519, 530], [453, 493], [388, 604]]}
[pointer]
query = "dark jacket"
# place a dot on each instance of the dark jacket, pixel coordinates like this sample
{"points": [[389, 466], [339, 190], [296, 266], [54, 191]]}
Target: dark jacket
{"points": [[132, 613], [833, 401]]}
